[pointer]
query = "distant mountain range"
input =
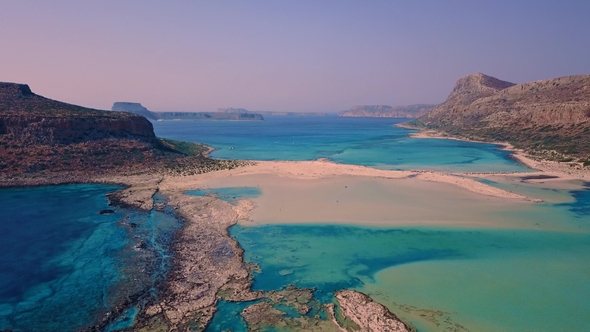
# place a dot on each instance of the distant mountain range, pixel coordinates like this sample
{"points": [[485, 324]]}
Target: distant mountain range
{"points": [[274, 113], [385, 111], [137, 108], [541, 116]]}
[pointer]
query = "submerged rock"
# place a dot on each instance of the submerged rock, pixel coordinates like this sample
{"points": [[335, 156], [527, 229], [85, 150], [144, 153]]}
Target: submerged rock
{"points": [[368, 314]]}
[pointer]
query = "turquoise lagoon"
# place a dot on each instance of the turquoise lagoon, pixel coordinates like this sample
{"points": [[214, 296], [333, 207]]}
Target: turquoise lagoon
{"points": [[66, 265], [63, 265], [439, 279], [482, 280], [360, 141]]}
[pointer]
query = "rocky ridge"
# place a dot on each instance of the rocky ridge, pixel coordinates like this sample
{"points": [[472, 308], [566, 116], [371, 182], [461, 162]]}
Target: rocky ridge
{"points": [[549, 118], [44, 141], [385, 111]]}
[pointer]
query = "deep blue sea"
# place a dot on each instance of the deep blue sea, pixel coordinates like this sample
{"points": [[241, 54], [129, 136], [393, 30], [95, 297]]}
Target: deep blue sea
{"points": [[63, 265], [360, 141]]}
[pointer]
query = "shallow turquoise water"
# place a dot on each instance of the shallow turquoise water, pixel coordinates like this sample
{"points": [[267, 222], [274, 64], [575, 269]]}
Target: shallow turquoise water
{"points": [[228, 194], [487, 280], [64, 266], [360, 141]]}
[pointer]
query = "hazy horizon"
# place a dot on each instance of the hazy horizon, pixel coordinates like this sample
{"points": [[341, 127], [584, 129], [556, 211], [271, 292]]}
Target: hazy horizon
{"points": [[283, 56]]}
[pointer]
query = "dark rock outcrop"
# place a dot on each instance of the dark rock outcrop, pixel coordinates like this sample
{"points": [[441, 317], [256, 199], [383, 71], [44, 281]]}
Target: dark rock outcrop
{"points": [[538, 116], [385, 111], [29, 119]]}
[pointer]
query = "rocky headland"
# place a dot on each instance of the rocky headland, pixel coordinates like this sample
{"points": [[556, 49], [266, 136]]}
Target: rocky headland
{"points": [[44, 141], [208, 267], [549, 119], [385, 111]]}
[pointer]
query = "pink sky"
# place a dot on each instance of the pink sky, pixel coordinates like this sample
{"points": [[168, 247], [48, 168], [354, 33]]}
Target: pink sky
{"points": [[283, 55]]}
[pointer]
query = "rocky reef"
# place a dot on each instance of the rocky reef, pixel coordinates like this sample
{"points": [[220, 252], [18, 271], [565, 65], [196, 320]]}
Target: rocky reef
{"points": [[549, 118], [368, 314], [385, 111], [208, 267]]}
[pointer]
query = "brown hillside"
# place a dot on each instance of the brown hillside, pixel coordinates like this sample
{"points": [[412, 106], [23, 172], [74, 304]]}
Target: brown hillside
{"points": [[538, 116], [40, 138]]}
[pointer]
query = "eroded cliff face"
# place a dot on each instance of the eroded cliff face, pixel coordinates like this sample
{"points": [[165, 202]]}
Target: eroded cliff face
{"points": [[543, 115], [38, 134]]}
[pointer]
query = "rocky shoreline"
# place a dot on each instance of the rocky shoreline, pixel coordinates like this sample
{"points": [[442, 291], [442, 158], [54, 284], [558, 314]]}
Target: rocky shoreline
{"points": [[208, 266]]}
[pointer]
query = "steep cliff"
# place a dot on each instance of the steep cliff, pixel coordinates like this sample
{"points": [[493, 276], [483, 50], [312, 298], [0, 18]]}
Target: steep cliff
{"points": [[385, 111], [41, 137], [539, 116], [27, 118]]}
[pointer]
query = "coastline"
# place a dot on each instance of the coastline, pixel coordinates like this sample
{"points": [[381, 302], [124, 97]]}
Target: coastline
{"points": [[564, 170], [192, 290]]}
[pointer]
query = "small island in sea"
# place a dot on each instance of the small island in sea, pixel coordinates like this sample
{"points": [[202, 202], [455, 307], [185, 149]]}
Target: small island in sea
{"points": [[43, 141], [221, 114]]}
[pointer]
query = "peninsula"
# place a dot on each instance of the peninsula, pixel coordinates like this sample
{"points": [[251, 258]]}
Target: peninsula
{"points": [[550, 119]]}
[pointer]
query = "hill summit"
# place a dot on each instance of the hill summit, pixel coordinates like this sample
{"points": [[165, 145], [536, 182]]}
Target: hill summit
{"points": [[541, 116]]}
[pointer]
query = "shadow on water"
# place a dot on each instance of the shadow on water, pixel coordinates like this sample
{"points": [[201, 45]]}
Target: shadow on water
{"points": [[581, 204]]}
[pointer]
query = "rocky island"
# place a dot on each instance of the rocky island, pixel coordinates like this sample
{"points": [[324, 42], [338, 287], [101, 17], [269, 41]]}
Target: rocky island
{"points": [[137, 108], [273, 113]]}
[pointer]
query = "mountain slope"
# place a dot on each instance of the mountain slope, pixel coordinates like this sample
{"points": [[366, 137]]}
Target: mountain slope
{"points": [[47, 141], [539, 116]]}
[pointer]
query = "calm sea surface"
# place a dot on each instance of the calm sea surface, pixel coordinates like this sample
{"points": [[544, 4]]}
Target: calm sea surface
{"points": [[63, 264], [360, 141]]}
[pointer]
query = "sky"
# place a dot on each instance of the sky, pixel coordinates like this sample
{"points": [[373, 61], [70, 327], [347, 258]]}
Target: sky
{"points": [[308, 56]]}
